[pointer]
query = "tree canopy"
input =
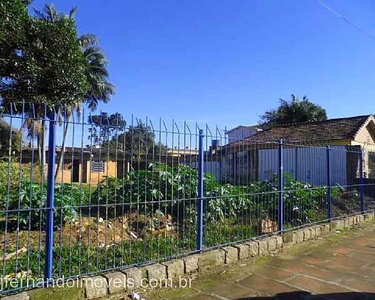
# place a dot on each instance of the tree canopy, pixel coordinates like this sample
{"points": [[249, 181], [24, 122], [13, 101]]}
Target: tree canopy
{"points": [[43, 61], [111, 131], [139, 140], [105, 127], [40, 61], [294, 111]]}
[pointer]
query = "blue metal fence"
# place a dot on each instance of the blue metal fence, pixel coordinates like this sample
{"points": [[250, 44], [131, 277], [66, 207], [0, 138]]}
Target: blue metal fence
{"points": [[117, 195]]}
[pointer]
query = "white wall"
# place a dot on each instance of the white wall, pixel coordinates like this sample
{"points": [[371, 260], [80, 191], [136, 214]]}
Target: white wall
{"points": [[235, 135]]}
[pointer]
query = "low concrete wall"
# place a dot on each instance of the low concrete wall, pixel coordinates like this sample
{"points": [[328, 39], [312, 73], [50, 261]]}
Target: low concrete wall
{"points": [[129, 279]]}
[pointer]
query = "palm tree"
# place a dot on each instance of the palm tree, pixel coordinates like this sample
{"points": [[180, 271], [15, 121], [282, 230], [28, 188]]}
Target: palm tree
{"points": [[50, 14], [99, 88], [294, 111], [34, 121]]}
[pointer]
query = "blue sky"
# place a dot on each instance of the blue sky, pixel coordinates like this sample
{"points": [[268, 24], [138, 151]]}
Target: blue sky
{"points": [[225, 62]]}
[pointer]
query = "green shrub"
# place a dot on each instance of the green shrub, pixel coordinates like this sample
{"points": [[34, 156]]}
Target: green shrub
{"points": [[29, 201], [303, 203], [161, 187], [160, 184]]}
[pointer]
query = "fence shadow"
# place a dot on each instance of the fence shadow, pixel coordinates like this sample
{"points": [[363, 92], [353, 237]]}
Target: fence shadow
{"points": [[306, 295]]}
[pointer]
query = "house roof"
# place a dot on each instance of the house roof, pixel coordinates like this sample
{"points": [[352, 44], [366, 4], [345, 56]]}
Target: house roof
{"points": [[332, 129]]}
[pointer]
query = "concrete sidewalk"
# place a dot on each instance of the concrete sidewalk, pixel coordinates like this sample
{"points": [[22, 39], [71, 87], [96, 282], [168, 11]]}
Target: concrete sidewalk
{"points": [[340, 266]]}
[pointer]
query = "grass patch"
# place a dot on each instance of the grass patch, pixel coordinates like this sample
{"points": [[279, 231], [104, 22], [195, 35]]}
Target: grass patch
{"points": [[64, 293]]}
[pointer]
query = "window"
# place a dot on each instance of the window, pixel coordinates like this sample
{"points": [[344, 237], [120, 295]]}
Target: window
{"points": [[97, 166]]}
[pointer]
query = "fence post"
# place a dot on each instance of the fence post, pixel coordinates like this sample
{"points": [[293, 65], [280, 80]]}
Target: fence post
{"points": [[361, 181], [200, 194], [280, 217], [50, 197], [329, 198]]}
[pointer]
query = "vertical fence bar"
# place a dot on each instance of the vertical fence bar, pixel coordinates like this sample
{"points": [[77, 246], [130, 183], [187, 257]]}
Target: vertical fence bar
{"points": [[361, 181], [329, 198], [200, 193], [280, 216], [50, 197]]}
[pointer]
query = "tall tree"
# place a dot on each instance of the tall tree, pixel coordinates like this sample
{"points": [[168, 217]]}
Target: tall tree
{"points": [[46, 66], [52, 56], [294, 111], [139, 140], [99, 89], [105, 127], [109, 131]]}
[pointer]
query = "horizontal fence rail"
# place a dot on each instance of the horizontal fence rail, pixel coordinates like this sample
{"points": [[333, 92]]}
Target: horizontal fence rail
{"points": [[82, 194]]}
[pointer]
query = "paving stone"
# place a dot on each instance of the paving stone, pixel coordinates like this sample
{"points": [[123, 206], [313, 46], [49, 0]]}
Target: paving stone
{"points": [[191, 263], [95, 287], [211, 259], [337, 225], [272, 245], [348, 223], [263, 247], [279, 241], [347, 265], [342, 250], [116, 282], [311, 260], [316, 286], [324, 229], [361, 218], [156, 271], [231, 254], [175, 268], [298, 236], [134, 278], [202, 296], [358, 218], [358, 283], [369, 216], [274, 273], [243, 251], [368, 257], [288, 237], [230, 290], [300, 268], [346, 262], [265, 285], [318, 231], [306, 234], [312, 232], [20, 296], [332, 225], [253, 248]]}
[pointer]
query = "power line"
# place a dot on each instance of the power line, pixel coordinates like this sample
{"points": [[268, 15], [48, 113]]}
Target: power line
{"points": [[345, 19]]}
